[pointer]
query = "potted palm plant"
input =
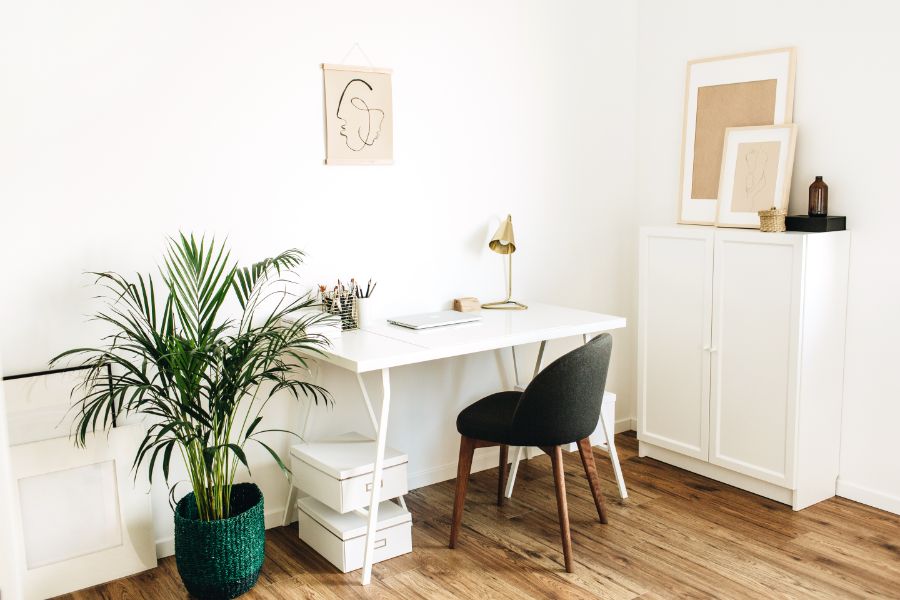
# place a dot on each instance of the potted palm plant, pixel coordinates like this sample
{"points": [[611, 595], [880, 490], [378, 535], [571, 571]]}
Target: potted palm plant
{"points": [[203, 379]]}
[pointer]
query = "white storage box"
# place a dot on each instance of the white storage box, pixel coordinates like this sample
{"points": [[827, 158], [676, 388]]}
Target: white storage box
{"points": [[338, 471], [342, 538]]}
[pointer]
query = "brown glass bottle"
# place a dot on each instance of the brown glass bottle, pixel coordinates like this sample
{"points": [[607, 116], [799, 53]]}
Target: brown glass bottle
{"points": [[818, 198]]}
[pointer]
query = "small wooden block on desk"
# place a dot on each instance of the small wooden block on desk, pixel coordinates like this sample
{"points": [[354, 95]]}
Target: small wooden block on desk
{"points": [[466, 305]]}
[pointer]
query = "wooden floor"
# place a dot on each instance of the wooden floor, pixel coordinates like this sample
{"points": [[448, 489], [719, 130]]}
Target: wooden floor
{"points": [[678, 535]]}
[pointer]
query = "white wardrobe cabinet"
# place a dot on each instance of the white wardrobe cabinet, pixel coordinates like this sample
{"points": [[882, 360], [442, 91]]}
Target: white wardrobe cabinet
{"points": [[741, 356]]}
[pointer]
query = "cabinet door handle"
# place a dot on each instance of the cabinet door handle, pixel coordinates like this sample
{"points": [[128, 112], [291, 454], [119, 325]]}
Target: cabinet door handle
{"points": [[713, 349], [369, 486], [379, 544], [706, 347]]}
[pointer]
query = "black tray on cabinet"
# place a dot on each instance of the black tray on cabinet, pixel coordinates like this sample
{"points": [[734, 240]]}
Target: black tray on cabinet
{"points": [[815, 224]]}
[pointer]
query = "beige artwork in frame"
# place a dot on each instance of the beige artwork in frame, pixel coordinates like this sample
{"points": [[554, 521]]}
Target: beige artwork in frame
{"points": [[757, 164], [359, 116], [753, 89]]}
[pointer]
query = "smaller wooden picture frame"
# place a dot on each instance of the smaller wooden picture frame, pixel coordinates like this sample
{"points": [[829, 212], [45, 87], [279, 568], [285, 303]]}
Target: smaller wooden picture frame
{"points": [[757, 164]]}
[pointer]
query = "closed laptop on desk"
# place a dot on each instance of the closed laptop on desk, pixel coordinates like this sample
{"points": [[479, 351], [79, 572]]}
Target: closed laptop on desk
{"points": [[435, 319]]}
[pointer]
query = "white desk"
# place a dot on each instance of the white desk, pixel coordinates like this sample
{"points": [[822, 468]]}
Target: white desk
{"points": [[382, 346]]}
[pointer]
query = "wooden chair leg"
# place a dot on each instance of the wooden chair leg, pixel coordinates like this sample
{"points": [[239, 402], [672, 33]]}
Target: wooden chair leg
{"points": [[559, 478], [501, 484], [466, 451], [590, 470]]}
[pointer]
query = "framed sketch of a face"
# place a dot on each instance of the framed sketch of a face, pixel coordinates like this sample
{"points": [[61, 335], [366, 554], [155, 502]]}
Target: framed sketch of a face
{"points": [[359, 119]]}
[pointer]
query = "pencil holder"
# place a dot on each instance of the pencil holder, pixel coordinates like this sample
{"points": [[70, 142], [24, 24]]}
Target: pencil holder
{"points": [[343, 304], [364, 311]]}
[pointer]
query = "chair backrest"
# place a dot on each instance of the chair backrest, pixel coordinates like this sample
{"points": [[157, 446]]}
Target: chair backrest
{"points": [[562, 404]]}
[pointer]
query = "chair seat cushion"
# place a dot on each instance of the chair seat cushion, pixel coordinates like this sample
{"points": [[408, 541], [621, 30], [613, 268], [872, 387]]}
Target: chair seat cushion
{"points": [[489, 419]]}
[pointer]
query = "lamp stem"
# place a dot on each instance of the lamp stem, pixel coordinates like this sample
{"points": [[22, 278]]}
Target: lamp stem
{"points": [[509, 295]]}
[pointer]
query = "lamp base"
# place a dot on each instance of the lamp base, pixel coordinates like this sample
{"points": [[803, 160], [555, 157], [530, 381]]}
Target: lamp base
{"points": [[506, 305]]}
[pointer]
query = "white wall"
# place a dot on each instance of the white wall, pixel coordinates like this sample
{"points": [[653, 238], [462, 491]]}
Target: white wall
{"points": [[847, 94], [121, 123]]}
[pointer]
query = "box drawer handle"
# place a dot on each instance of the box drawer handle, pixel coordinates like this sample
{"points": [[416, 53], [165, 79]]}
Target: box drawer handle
{"points": [[369, 486], [380, 544]]}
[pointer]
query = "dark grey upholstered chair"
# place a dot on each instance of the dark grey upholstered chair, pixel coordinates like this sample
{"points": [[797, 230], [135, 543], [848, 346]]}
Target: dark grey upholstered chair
{"points": [[560, 406]]}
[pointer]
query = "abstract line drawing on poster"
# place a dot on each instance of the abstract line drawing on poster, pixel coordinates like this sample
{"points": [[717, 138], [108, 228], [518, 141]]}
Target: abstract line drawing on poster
{"points": [[361, 124], [359, 115]]}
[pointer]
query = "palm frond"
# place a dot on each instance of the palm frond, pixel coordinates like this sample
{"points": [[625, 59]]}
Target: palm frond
{"points": [[192, 369]]}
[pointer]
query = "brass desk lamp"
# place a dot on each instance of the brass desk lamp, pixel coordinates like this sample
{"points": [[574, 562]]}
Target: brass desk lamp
{"points": [[504, 242]]}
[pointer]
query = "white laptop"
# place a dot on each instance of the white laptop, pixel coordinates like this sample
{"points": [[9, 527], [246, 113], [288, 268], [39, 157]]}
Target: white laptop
{"points": [[435, 319]]}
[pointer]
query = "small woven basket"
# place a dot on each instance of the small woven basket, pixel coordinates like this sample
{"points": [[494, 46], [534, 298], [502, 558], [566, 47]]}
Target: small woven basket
{"points": [[772, 220], [220, 560]]}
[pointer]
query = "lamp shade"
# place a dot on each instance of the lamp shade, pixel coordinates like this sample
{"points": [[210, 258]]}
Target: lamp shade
{"points": [[504, 242]]}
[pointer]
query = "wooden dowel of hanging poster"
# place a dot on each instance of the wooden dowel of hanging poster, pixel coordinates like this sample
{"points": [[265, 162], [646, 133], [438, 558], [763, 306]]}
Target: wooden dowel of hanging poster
{"points": [[358, 161], [329, 67]]}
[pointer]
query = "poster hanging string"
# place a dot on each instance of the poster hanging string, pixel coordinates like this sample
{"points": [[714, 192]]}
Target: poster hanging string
{"points": [[363, 53]]}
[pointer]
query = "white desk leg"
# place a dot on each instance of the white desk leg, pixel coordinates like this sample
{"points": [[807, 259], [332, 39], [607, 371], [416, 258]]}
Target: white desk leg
{"points": [[540, 359], [376, 479], [513, 469], [362, 387], [609, 433], [528, 452], [515, 364], [286, 518]]}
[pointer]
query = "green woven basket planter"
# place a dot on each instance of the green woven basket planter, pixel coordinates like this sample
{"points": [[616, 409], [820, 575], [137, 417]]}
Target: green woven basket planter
{"points": [[220, 560]]}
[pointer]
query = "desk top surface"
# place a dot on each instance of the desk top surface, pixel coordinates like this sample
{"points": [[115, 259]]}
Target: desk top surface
{"points": [[382, 345]]}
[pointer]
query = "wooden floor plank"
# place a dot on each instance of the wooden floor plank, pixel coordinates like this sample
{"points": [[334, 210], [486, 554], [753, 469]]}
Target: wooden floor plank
{"points": [[529, 568], [677, 535]]}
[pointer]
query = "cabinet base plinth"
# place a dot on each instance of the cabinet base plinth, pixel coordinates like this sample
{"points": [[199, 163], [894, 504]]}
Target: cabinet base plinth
{"points": [[738, 480]]}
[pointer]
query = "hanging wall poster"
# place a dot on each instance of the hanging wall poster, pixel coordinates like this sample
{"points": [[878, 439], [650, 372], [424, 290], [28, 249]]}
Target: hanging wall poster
{"points": [[359, 119], [732, 91]]}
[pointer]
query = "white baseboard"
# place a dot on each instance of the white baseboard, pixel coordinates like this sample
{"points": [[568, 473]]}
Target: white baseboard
{"points": [[486, 460], [166, 546], [864, 495], [626, 425]]}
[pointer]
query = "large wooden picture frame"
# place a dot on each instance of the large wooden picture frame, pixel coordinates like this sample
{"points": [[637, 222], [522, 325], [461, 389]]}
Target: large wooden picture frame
{"points": [[757, 164], [741, 90], [359, 116]]}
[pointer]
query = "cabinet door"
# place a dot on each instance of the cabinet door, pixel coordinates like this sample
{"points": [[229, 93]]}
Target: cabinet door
{"points": [[756, 312], [675, 307]]}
